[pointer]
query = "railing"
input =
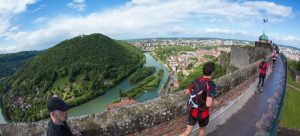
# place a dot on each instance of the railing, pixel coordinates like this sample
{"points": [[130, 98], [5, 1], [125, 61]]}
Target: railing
{"points": [[275, 125]]}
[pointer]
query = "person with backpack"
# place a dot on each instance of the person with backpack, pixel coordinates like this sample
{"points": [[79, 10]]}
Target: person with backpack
{"points": [[263, 67], [202, 91]]}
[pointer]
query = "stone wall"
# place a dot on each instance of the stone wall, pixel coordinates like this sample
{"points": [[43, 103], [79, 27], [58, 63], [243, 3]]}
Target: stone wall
{"points": [[163, 115], [295, 74], [243, 56], [239, 56], [298, 79]]}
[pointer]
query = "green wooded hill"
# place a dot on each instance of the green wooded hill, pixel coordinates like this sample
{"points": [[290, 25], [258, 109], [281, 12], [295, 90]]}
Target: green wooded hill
{"points": [[77, 70], [10, 63]]}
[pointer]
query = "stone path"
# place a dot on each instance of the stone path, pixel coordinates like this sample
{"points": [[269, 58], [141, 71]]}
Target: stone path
{"points": [[244, 122]]}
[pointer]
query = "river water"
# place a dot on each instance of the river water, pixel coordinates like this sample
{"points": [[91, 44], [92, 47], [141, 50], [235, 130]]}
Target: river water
{"points": [[99, 104]]}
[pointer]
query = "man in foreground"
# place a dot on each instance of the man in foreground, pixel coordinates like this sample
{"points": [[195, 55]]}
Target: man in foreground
{"points": [[202, 92], [57, 125]]}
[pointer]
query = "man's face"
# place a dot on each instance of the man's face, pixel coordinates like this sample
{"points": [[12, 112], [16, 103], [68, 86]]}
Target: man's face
{"points": [[61, 115]]}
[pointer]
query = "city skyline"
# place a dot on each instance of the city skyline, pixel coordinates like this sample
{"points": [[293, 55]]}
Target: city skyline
{"points": [[40, 24]]}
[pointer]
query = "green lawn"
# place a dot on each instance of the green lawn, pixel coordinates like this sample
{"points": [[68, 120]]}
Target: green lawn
{"points": [[290, 117], [61, 82]]}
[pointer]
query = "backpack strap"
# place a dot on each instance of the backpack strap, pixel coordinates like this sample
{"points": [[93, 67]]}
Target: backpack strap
{"points": [[198, 86], [202, 88]]}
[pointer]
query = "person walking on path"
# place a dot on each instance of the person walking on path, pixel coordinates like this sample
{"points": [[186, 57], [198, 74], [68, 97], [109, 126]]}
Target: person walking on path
{"points": [[274, 57], [263, 67], [201, 92]]}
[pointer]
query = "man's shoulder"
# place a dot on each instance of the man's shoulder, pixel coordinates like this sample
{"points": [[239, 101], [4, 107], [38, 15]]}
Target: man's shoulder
{"points": [[212, 83]]}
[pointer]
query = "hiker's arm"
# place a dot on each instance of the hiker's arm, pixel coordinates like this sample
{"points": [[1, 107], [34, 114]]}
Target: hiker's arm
{"points": [[211, 94], [209, 101], [188, 91]]}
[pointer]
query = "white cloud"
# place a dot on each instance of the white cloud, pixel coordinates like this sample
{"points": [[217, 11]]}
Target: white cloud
{"points": [[139, 18], [175, 30], [227, 32], [14, 6], [10, 8], [277, 38], [77, 4], [38, 8], [145, 2], [218, 31], [285, 39], [40, 20], [15, 28]]}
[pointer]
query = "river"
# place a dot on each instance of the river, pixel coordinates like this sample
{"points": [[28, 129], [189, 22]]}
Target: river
{"points": [[99, 104]]}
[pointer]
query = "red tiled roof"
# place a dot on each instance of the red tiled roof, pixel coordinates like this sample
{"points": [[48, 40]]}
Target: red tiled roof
{"points": [[122, 103]]}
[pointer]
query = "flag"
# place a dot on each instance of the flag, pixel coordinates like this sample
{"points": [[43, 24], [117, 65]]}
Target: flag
{"points": [[265, 20]]}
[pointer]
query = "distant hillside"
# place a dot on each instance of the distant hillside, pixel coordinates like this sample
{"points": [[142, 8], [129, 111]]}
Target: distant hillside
{"points": [[10, 63], [294, 48], [187, 38], [76, 70]]}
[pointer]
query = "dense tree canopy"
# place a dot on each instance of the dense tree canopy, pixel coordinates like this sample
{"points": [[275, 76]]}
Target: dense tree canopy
{"points": [[141, 74], [10, 63], [76, 70]]}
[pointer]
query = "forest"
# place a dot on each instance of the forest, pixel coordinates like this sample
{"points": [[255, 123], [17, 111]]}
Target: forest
{"points": [[77, 70]]}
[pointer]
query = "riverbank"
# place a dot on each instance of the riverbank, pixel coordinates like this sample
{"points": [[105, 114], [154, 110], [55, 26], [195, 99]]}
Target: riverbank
{"points": [[157, 58], [100, 103], [164, 89], [2, 116]]}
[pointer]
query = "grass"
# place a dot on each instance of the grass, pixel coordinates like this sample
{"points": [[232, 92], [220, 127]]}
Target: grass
{"points": [[290, 117], [291, 81], [61, 82], [291, 110]]}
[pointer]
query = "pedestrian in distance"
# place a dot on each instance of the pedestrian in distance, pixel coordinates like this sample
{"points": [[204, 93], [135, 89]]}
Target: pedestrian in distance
{"points": [[275, 57], [263, 68]]}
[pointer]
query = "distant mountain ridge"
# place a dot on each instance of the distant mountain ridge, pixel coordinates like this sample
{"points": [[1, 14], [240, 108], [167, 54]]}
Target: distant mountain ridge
{"points": [[10, 63], [294, 48], [187, 38]]}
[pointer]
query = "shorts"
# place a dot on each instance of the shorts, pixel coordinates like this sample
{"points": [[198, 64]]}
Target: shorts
{"points": [[262, 75], [202, 122]]}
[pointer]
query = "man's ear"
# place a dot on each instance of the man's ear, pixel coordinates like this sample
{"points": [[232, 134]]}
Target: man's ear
{"points": [[52, 114]]}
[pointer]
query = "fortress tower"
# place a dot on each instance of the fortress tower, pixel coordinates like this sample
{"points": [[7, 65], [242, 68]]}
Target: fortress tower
{"points": [[244, 56], [264, 43]]}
